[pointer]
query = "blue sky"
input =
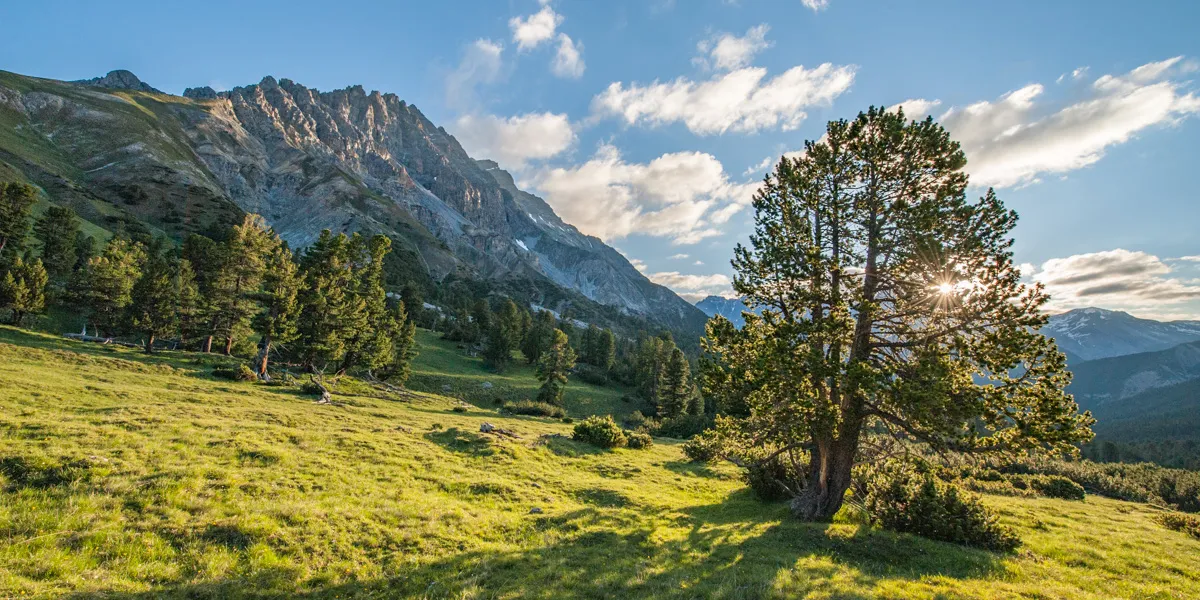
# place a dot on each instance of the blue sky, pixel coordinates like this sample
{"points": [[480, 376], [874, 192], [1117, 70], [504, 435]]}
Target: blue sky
{"points": [[647, 122]]}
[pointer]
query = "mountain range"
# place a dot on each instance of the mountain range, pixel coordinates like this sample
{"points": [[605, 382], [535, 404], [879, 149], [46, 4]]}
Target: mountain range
{"points": [[127, 157]]}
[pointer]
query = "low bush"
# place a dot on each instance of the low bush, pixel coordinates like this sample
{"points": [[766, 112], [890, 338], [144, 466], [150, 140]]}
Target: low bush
{"points": [[600, 431], [309, 387], [535, 409], [1057, 486], [241, 372], [568, 420], [702, 448], [591, 374], [682, 427], [636, 420], [769, 480], [639, 440], [1180, 522], [906, 499]]}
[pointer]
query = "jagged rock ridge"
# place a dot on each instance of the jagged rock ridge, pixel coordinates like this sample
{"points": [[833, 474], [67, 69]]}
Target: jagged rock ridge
{"points": [[346, 160]]}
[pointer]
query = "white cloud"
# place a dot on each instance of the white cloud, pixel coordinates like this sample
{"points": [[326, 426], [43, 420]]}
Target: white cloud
{"points": [[1018, 137], [760, 167], [567, 61], [680, 196], [1189, 258], [515, 140], [699, 263], [1117, 279], [694, 287], [480, 64], [726, 51], [742, 100], [679, 256], [815, 5], [916, 108], [530, 32]]}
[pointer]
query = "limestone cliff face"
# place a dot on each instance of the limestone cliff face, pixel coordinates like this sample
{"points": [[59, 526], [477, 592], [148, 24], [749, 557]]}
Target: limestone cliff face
{"points": [[345, 160]]}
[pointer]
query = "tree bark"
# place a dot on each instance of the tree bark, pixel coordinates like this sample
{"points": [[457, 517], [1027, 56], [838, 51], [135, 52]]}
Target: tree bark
{"points": [[829, 476], [229, 346], [150, 344], [208, 344], [262, 359]]}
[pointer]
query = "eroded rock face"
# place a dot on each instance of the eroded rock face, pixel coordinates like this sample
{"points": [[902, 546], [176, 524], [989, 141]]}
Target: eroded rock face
{"points": [[345, 160]]}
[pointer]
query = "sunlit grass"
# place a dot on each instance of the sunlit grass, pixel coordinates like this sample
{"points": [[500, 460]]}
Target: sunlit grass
{"points": [[184, 486]]}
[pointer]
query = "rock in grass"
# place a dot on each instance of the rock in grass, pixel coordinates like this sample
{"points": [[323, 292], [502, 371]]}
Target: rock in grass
{"points": [[535, 511]]}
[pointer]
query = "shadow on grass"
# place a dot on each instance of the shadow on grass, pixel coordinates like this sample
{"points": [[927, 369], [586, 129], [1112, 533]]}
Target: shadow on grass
{"points": [[684, 467], [462, 442], [600, 554]]}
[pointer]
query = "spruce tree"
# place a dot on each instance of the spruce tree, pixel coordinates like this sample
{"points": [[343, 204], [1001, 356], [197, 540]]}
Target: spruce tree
{"points": [[552, 368], [330, 308], [503, 337], [192, 318], [104, 288], [276, 321], [234, 286], [538, 337], [404, 347], [370, 332], [154, 300], [606, 350], [16, 202], [58, 231], [23, 289], [676, 390]]}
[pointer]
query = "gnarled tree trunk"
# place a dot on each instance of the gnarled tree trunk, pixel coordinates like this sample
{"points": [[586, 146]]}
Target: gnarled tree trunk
{"points": [[829, 476], [208, 344]]}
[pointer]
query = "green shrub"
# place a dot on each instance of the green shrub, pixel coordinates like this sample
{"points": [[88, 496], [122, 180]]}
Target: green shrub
{"points": [[702, 448], [600, 431], [1180, 522], [535, 409], [568, 420], [244, 373], [460, 408], [591, 374], [639, 440], [1057, 486], [769, 480], [903, 498], [636, 420], [682, 427], [311, 388]]}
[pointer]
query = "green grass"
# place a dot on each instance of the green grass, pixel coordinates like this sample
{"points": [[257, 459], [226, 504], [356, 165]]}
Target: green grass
{"points": [[135, 477], [442, 363]]}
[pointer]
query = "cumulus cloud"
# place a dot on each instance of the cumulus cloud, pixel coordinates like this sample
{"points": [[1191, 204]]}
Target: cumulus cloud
{"points": [[531, 31], [679, 256], [916, 108], [727, 51], [568, 62], [680, 196], [694, 288], [742, 100], [481, 64], [765, 164], [815, 5], [1118, 279], [513, 141], [1020, 136]]}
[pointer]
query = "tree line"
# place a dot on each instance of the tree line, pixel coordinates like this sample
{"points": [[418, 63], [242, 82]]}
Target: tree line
{"points": [[324, 308]]}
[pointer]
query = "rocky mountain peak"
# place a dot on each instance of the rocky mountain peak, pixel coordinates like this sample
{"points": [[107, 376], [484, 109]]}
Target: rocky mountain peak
{"points": [[119, 79]]}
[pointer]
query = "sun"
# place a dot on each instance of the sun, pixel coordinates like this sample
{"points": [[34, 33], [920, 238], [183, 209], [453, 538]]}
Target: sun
{"points": [[945, 289]]}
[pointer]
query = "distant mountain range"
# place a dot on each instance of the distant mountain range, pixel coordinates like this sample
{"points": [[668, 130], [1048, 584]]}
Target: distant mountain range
{"points": [[730, 308], [1091, 333], [129, 158]]}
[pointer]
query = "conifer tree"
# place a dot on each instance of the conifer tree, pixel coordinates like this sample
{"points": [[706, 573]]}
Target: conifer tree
{"points": [[192, 319], [58, 232], [16, 202], [503, 337], [23, 289], [676, 389], [276, 322], [104, 288], [154, 299], [329, 307], [234, 286], [371, 345], [606, 350], [890, 306], [552, 368], [404, 347], [538, 337]]}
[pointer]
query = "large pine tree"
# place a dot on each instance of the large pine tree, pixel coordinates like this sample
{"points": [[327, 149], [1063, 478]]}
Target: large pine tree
{"points": [[58, 232], [23, 289], [676, 391], [276, 321], [235, 285], [103, 289], [16, 202], [503, 336], [891, 305]]}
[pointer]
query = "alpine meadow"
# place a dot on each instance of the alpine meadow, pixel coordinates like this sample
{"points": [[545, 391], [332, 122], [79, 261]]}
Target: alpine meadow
{"points": [[549, 336]]}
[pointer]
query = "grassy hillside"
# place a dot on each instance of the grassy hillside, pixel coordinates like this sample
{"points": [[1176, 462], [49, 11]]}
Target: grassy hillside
{"points": [[127, 477], [443, 363]]}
